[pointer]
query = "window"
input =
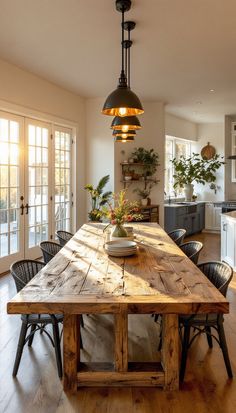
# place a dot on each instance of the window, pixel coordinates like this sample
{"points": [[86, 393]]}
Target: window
{"points": [[174, 148]]}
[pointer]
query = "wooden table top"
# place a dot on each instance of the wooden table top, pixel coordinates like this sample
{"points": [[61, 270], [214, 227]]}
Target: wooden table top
{"points": [[81, 278]]}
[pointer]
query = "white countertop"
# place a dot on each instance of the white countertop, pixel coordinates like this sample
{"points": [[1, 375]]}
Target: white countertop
{"points": [[231, 214]]}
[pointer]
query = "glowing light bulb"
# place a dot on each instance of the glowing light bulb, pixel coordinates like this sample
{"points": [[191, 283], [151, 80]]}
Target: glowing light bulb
{"points": [[122, 111], [125, 128]]}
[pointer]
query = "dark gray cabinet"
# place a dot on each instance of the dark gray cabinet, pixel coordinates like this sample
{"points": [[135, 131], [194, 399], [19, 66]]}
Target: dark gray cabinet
{"points": [[190, 217]]}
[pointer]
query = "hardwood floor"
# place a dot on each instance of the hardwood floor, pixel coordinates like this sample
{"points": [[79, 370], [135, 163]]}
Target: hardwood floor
{"points": [[38, 389]]}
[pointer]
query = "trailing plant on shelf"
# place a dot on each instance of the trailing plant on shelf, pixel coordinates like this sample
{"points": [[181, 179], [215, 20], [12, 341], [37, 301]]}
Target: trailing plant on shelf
{"points": [[98, 198], [149, 158]]}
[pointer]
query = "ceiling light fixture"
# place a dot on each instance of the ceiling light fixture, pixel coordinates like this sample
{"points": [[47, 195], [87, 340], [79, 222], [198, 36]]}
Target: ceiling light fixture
{"points": [[124, 135], [126, 123], [122, 101], [120, 139]]}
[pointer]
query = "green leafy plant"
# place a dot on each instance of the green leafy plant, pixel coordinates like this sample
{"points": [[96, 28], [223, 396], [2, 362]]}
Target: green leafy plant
{"points": [[98, 198], [146, 191], [195, 169], [147, 157]]}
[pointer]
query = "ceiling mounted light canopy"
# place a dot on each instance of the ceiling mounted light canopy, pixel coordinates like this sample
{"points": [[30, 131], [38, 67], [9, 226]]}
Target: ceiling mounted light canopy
{"points": [[122, 101]]}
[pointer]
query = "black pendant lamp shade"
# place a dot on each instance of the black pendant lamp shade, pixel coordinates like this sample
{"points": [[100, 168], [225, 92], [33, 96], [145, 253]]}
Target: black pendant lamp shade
{"points": [[125, 123], [120, 139], [122, 101], [124, 135]]}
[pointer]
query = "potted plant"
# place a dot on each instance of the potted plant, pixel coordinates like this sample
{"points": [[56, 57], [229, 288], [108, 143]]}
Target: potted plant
{"points": [[195, 169], [120, 211], [149, 158], [98, 198], [145, 193]]}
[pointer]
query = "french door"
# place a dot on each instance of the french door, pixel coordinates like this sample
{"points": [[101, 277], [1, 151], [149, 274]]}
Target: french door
{"points": [[11, 189], [35, 185]]}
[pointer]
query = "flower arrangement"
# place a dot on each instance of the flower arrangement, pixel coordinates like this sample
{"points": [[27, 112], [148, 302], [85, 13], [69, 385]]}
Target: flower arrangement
{"points": [[121, 210]]}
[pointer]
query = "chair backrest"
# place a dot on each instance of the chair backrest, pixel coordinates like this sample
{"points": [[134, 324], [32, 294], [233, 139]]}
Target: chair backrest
{"points": [[49, 250], [219, 273], [23, 271], [177, 235], [63, 237], [192, 249]]}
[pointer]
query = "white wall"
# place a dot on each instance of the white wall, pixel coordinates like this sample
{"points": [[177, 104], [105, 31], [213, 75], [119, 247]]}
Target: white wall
{"points": [[19, 88], [213, 133], [180, 128], [99, 145], [103, 155]]}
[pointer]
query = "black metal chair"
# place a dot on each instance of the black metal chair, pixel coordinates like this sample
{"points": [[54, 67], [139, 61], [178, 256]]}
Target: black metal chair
{"points": [[63, 237], [177, 236], [220, 274], [22, 272], [49, 250], [192, 249]]}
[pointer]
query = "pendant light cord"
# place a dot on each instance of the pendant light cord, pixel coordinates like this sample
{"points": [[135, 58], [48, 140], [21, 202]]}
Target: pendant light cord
{"points": [[128, 73]]}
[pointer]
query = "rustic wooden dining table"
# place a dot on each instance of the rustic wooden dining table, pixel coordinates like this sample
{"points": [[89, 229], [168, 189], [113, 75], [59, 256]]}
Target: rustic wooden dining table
{"points": [[82, 279]]}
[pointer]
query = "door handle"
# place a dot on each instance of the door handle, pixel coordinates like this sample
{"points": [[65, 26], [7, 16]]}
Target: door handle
{"points": [[22, 209], [27, 208]]}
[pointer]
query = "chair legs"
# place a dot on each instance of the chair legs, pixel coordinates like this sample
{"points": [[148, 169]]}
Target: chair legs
{"points": [[209, 337], [224, 349], [33, 327], [185, 345], [56, 338], [20, 347], [223, 345]]}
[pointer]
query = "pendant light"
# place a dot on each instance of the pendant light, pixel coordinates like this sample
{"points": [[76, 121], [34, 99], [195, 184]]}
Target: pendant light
{"points": [[120, 139], [125, 123], [122, 101], [124, 135]]}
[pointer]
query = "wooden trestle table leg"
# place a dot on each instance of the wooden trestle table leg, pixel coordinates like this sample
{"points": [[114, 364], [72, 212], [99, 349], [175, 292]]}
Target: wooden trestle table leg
{"points": [[170, 351], [71, 351], [121, 342]]}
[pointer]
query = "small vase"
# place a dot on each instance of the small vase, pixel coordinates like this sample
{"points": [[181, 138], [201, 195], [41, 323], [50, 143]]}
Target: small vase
{"points": [[119, 231], [188, 191], [144, 202]]}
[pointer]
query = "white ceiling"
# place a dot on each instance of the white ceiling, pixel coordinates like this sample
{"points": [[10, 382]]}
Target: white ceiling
{"points": [[182, 49]]}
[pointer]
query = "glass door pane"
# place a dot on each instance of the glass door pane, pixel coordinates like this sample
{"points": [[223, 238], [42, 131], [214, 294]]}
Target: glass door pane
{"points": [[37, 186], [11, 189], [62, 178]]}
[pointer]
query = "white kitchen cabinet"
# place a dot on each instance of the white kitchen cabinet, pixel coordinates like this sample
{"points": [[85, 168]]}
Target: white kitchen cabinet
{"points": [[228, 242], [212, 216]]}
